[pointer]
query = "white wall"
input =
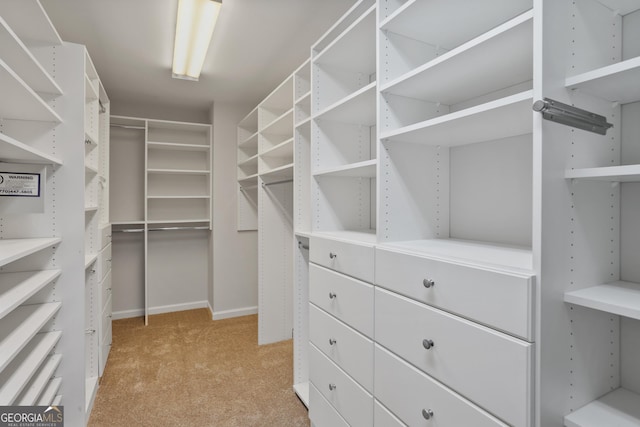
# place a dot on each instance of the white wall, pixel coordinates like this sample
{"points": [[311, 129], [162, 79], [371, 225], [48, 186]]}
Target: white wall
{"points": [[235, 253]]}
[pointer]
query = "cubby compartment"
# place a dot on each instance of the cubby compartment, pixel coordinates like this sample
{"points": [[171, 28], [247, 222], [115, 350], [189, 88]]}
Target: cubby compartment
{"points": [[178, 133], [180, 157], [277, 106], [178, 210]]}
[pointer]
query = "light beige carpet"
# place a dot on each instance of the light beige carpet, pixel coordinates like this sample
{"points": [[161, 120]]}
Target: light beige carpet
{"points": [[186, 370]]}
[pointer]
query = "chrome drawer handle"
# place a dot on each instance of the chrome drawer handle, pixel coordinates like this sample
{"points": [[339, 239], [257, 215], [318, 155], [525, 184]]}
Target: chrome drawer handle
{"points": [[428, 344], [332, 341], [427, 414], [332, 255], [332, 295], [332, 387], [428, 283]]}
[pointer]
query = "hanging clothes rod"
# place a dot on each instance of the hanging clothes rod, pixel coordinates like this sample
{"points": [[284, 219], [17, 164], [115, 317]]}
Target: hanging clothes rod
{"points": [[264, 184], [302, 245], [140, 230], [248, 187], [115, 125]]}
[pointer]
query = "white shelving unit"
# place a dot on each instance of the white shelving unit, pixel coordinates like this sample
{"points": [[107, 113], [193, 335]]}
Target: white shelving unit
{"points": [[160, 191], [248, 172]]}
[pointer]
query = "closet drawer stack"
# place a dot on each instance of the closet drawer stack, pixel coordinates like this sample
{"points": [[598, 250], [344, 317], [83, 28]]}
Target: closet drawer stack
{"points": [[341, 332], [104, 275]]}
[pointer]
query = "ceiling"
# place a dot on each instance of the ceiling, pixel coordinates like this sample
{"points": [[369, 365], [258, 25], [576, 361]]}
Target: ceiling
{"points": [[256, 45]]}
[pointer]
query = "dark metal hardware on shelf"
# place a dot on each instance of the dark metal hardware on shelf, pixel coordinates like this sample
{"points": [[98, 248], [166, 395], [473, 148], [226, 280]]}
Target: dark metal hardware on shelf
{"points": [[572, 116]]}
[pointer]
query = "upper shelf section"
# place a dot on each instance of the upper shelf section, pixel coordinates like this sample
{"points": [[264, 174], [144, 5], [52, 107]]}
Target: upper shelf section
{"points": [[14, 249], [30, 22], [14, 151], [616, 83], [621, 298]]}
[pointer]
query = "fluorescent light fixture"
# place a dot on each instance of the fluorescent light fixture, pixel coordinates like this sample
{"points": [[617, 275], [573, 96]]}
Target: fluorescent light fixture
{"points": [[194, 27]]}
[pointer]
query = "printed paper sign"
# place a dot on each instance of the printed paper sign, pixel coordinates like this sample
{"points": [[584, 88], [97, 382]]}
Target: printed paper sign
{"points": [[14, 184]]}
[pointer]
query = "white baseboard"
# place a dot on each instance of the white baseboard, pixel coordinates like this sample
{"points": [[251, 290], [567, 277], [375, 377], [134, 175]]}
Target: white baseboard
{"points": [[210, 309], [126, 314], [237, 312]]}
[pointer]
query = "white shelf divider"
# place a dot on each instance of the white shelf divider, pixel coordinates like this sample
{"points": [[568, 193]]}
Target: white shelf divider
{"points": [[619, 408], [20, 326], [284, 149], [14, 151], [15, 377], [358, 108], [253, 160], [276, 174], [475, 124], [616, 83], [179, 171], [282, 125], [625, 173], [177, 146], [621, 298], [365, 169], [41, 380], [14, 249], [16, 288], [90, 92]]}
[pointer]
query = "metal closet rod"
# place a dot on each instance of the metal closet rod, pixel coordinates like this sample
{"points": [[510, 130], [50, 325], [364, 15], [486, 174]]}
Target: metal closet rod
{"points": [[248, 187], [264, 184], [140, 230], [116, 125]]}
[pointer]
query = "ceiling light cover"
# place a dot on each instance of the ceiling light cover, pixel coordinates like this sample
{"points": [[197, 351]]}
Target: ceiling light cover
{"points": [[194, 27]]}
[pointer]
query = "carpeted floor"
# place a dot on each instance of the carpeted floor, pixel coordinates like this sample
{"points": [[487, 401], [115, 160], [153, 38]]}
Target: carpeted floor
{"points": [[186, 370]]}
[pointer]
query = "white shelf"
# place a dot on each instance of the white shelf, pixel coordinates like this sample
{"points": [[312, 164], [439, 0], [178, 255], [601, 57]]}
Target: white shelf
{"points": [[354, 49], [14, 249], [250, 143], [177, 147], [281, 97], [30, 22], [367, 236], [91, 387], [179, 171], [282, 125], [89, 259], [20, 326], [277, 174], [357, 108], [476, 124], [41, 380], [625, 173], [619, 408], [284, 149], [365, 169], [251, 161], [20, 102], [420, 20], [488, 255], [615, 83], [133, 222], [90, 169], [91, 139], [250, 121], [90, 92], [49, 397], [621, 298], [305, 99], [14, 151], [17, 374], [179, 221], [302, 390], [16, 288], [622, 7], [178, 197], [88, 209], [500, 58], [21, 60], [304, 122]]}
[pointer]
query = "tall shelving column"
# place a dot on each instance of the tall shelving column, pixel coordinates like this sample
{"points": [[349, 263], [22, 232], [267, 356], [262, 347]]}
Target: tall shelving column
{"points": [[591, 187], [301, 227], [248, 172], [275, 214]]}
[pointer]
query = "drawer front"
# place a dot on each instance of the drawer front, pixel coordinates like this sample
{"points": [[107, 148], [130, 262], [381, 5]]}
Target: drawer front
{"points": [[321, 413], [348, 299], [106, 317], [351, 259], [350, 350], [383, 418], [488, 367], [105, 348], [104, 262], [407, 392], [499, 299], [105, 289], [351, 401], [105, 235]]}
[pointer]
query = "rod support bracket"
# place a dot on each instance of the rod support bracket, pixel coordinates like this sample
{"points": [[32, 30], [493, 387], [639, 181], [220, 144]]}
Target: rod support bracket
{"points": [[571, 116]]}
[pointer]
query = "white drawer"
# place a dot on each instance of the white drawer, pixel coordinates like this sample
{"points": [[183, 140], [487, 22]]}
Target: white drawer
{"points": [[106, 314], [351, 259], [105, 348], [503, 300], [408, 392], [383, 418], [348, 299], [347, 348], [321, 413], [105, 290], [104, 235], [488, 367], [104, 262], [351, 401]]}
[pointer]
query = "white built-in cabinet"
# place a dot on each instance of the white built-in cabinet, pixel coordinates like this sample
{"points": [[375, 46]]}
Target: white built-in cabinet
{"points": [[461, 260], [160, 208], [51, 125]]}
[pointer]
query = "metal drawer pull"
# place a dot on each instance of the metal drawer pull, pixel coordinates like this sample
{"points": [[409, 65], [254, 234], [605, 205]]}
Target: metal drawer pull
{"points": [[332, 387], [428, 344], [427, 414], [332, 341], [332, 295], [93, 271], [428, 283], [332, 255]]}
